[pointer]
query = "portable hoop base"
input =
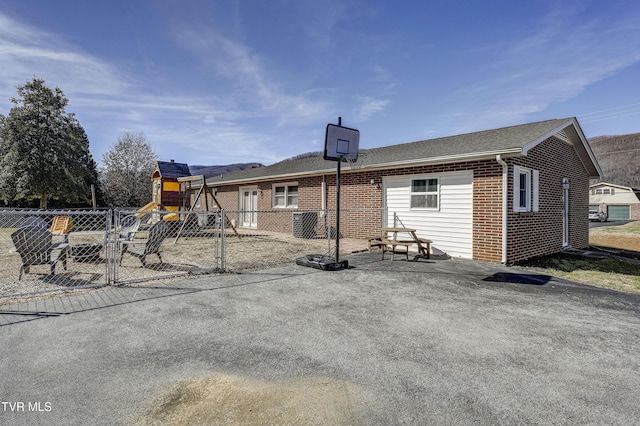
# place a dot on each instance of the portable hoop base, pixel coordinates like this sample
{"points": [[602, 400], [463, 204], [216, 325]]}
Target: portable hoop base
{"points": [[322, 262]]}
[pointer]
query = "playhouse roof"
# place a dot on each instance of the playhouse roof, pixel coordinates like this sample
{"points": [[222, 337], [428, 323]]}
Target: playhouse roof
{"points": [[507, 142], [171, 169]]}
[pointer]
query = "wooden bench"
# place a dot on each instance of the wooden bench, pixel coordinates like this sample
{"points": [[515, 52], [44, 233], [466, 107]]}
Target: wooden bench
{"points": [[426, 246], [385, 244], [375, 242]]}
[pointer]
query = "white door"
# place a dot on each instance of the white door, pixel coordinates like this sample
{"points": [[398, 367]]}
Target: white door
{"points": [[248, 208], [438, 206]]}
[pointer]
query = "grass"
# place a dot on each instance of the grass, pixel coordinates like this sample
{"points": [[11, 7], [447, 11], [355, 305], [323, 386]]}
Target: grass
{"points": [[625, 237], [608, 273]]}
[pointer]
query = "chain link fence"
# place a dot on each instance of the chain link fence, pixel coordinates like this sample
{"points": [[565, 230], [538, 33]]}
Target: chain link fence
{"points": [[277, 237], [43, 251], [48, 250], [164, 244]]}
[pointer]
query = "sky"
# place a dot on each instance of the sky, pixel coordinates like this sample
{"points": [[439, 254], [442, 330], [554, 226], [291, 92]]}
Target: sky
{"points": [[214, 82]]}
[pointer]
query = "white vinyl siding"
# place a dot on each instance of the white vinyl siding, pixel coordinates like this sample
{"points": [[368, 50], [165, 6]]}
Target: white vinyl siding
{"points": [[450, 226]]}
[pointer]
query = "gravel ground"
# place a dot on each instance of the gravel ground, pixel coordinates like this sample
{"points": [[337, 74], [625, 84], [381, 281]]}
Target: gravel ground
{"points": [[184, 256], [436, 342]]}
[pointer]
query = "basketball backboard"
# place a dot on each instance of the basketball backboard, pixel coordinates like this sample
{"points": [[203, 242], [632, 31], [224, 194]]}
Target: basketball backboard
{"points": [[341, 143]]}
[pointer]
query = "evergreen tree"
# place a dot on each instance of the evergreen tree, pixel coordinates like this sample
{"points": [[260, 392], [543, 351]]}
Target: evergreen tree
{"points": [[44, 151]]}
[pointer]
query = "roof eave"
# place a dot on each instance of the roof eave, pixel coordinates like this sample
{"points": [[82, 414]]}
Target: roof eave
{"points": [[611, 185], [513, 152], [478, 156], [577, 139]]}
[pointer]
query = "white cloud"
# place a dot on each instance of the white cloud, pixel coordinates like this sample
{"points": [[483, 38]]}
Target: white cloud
{"points": [[553, 65], [109, 102], [369, 107], [253, 85], [26, 52]]}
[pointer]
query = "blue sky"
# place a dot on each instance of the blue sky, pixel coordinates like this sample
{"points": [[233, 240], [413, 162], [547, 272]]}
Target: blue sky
{"points": [[217, 82]]}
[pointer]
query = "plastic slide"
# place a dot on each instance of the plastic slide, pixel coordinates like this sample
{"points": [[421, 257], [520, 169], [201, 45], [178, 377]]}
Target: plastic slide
{"points": [[147, 208]]}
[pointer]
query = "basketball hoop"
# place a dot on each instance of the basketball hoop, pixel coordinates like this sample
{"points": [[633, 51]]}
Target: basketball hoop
{"points": [[354, 164], [341, 143]]}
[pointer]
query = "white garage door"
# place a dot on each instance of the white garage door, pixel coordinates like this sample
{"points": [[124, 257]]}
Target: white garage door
{"points": [[438, 206]]}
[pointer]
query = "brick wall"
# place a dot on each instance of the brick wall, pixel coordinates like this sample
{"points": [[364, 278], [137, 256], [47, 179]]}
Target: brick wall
{"points": [[361, 202], [529, 234], [540, 233]]}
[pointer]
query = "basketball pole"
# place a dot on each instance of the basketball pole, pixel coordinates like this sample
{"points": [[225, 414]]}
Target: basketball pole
{"points": [[338, 203]]}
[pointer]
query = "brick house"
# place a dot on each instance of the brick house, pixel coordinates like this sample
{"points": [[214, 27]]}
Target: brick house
{"points": [[499, 195], [618, 202]]}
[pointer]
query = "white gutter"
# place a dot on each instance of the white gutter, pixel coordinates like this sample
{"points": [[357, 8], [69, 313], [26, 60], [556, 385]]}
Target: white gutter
{"points": [[324, 195], [505, 205], [449, 159]]}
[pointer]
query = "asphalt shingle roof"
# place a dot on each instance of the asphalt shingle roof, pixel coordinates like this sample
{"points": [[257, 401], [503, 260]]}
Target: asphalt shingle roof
{"points": [[506, 139]]}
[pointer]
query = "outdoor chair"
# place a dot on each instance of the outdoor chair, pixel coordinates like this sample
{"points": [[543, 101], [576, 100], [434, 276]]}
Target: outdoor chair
{"points": [[141, 249], [35, 246], [129, 225], [34, 221], [61, 225]]}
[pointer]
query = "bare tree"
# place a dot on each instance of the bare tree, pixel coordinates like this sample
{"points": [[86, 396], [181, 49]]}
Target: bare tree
{"points": [[127, 169]]}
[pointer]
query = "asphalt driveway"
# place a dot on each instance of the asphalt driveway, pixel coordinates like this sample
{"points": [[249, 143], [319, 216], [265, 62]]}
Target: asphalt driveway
{"points": [[428, 342]]}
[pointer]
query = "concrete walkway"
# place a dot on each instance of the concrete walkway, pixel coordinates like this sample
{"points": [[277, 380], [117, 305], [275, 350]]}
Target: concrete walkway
{"points": [[427, 342]]}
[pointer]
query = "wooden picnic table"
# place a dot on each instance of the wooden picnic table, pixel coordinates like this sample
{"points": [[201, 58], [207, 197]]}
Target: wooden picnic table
{"points": [[424, 245]]}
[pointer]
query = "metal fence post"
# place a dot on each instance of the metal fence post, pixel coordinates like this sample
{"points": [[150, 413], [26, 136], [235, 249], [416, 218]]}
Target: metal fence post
{"points": [[223, 221], [108, 249], [329, 233], [216, 243]]}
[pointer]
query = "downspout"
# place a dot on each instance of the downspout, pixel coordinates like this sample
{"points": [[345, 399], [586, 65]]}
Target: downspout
{"points": [[323, 188], [505, 204]]}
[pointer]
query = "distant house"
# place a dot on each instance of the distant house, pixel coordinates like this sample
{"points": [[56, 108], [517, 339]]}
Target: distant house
{"points": [[166, 188], [499, 195], [618, 202]]}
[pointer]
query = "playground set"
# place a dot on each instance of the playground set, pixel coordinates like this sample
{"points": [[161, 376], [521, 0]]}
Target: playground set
{"points": [[173, 191]]}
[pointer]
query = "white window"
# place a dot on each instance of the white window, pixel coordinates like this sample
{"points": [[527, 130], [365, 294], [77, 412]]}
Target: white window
{"points": [[425, 193], [285, 195], [525, 189]]}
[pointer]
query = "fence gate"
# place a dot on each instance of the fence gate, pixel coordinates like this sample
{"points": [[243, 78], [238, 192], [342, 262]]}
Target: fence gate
{"points": [[164, 244], [43, 251]]}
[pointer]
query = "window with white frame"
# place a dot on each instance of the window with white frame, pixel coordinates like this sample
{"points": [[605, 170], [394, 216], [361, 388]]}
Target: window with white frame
{"points": [[525, 189], [285, 195], [425, 193]]}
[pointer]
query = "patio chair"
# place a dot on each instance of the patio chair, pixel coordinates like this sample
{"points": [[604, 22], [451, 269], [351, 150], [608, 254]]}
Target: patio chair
{"points": [[129, 225], [61, 225], [141, 249], [35, 246], [34, 221]]}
